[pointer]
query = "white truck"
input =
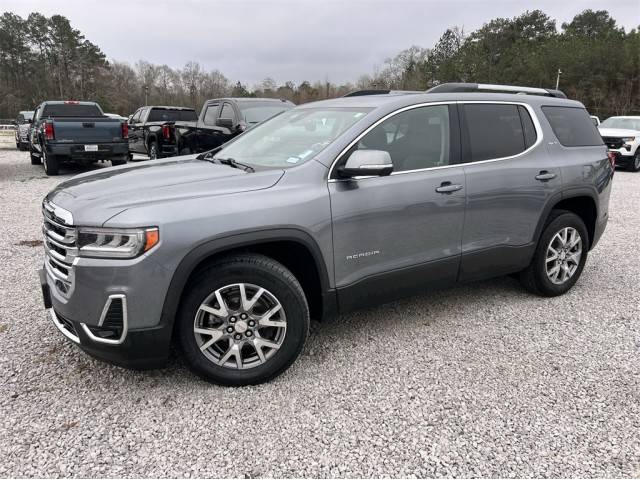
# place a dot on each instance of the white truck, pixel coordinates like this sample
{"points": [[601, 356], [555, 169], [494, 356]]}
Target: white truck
{"points": [[622, 137]]}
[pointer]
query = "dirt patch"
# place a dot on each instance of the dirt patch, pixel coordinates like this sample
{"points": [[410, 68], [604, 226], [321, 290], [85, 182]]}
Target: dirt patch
{"points": [[32, 243]]}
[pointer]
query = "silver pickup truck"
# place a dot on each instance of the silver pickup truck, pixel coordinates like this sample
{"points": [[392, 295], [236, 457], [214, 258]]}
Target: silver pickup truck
{"points": [[76, 131]]}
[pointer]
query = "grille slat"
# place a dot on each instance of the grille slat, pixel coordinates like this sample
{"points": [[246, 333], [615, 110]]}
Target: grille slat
{"points": [[60, 246]]}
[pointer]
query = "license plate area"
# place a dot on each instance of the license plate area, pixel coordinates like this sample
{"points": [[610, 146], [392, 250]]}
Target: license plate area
{"points": [[90, 147]]}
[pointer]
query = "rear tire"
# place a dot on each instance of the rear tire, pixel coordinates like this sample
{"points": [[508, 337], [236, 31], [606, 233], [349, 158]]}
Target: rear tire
{"points": [[634, 165], [50, 162], [119, 161], [275, 294], [35, 160], [538, 277], [153, 151]]}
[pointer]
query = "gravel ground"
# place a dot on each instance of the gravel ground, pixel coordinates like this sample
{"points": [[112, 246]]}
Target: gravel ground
{"points": [[481, 380]]}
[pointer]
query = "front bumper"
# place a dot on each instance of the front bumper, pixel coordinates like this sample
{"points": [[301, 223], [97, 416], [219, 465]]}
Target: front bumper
{"points": [[130, 335], [623, 157]]}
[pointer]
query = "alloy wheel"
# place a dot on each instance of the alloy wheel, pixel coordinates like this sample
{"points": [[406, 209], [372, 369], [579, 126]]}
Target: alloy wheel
{"points": [[240, 326], [563, 255]]}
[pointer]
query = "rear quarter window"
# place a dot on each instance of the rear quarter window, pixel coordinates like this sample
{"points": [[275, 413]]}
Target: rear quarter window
{"points": [[572, 126]]}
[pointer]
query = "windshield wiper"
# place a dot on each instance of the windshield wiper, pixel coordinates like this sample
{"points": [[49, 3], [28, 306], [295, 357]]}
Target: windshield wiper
{"points": [[206, 155], [232, 163]]}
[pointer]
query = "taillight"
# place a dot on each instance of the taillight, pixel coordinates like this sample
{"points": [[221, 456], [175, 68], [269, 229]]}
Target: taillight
{"points": [[166, 132], [49, 134], [125, 131], [612, 159]]}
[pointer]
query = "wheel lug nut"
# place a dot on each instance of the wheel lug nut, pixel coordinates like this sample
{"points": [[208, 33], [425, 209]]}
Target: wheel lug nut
{"points": [[243, 316], [230, 329], [252, 323], [248, 333], [232, 319], [238, 336]]}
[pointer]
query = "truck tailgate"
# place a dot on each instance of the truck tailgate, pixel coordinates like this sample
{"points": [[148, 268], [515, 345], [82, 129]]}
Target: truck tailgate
{"points": [[87, 130]]}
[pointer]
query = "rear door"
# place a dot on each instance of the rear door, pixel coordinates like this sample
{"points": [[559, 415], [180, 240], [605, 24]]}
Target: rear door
{"points": [[208, 133], [509, 179], [400, 234]]}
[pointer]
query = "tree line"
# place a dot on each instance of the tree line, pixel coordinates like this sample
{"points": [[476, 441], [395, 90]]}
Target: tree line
{"points": [[46, 58]]}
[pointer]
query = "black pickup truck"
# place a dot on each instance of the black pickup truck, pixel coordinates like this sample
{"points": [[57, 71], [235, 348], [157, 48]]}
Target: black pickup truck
{"points": [[152, 129], [76, 131], [223, 119]]}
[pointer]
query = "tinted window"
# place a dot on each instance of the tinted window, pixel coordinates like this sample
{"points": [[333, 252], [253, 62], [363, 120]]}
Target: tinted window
{"points": [[256, 112], [168, 114], [622, 123], [572, 126], [529, 130], [71, 110], [227, 112], [494, 131], [415, 139], [211, 114]]}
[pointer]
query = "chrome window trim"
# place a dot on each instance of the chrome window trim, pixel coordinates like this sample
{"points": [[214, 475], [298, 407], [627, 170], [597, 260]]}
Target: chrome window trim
{"points": [[125, 325], [529, 108]]}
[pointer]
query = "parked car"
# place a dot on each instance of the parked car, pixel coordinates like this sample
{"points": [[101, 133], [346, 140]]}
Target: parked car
{"points": [[152, 129], [76, 131], [328, 207], [622, 136], [23, 123], [595, 119], [223, 119]]}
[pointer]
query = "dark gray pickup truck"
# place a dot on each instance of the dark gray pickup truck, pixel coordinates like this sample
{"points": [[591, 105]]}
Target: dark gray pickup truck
{"points": [[76, 131]]}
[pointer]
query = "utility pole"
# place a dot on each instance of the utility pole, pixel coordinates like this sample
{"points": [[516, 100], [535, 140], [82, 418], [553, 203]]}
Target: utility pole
{"points": [[558, 78], [146, 92]]}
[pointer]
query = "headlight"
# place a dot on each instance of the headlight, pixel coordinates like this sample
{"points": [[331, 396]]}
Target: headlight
{"points": [[116, 243], [631, 139]]}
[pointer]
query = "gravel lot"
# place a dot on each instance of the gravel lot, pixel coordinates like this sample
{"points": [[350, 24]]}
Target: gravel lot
{"points": [[482, 380]]}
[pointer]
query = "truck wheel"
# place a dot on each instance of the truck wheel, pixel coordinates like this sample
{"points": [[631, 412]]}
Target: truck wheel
{"points": [[50, 162], [244, 320], [153, 151], [119, 161], [634, 164], [559, 257], [35, 160]]}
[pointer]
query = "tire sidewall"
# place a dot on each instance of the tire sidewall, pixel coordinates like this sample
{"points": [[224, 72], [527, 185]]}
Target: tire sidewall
{"points": [[153, 151], [562, 221], [295, 308]]}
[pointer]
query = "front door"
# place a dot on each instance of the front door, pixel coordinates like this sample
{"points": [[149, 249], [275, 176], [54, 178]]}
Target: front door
{"points": [[400, 234]]}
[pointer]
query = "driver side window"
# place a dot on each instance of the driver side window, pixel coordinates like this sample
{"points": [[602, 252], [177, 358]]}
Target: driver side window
{"points": [[415, 139]]}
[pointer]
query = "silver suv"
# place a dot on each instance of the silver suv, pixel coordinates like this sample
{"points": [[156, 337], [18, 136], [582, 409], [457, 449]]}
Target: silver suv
{"points": [[328, 207]]}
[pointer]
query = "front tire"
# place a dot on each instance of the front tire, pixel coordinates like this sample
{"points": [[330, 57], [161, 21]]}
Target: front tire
{"points": [[244, 321], [560, 255], [634, 165]]}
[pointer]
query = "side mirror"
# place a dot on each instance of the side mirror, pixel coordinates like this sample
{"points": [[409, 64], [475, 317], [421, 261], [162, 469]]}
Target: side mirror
{"points": [[367, 163], [224, 122]]}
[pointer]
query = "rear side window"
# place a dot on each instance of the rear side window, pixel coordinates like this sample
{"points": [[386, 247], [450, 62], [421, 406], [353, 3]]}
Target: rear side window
{"points": [[227, 112], [495, 131], [210, 114], [70, 110], [528, 129], [572, 126], [169, 114]]}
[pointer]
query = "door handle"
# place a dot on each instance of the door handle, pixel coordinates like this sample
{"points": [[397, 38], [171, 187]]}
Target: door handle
{"points": [[544, 175], [448, 187]]}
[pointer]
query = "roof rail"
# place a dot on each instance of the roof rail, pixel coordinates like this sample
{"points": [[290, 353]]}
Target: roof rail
{"points": [[380, 92], [478, 87]]}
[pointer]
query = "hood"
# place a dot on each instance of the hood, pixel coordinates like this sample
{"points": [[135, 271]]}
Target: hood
{"points": [[618, 132], [94, 197]]}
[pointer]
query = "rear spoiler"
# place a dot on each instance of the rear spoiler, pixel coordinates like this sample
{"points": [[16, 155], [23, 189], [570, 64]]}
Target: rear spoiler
{"points": [[483, 87]]}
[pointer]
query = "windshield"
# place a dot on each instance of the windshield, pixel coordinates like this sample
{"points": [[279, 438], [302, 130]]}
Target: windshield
{"points": [[254, 112], [28, 115], [293, 137], [167, 114], [622, 123]]}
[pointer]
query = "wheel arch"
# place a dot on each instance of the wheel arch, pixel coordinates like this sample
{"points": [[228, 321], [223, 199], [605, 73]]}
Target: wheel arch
{"points": [[292, 247], [580, 201]]}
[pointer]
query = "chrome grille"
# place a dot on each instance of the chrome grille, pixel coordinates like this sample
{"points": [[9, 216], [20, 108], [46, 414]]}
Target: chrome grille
{"points": [[60, 247]]}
